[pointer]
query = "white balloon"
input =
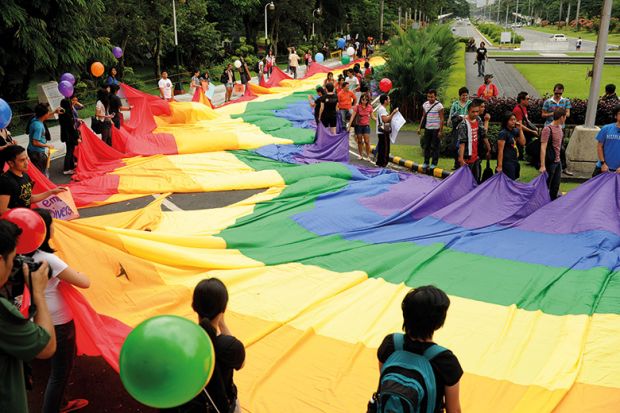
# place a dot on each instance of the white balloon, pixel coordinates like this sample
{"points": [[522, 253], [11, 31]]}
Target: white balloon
{"points": [[237, 64], [350, 51]]}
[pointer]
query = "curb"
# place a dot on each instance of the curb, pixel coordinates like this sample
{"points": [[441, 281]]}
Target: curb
{"points": [[414, 167]]}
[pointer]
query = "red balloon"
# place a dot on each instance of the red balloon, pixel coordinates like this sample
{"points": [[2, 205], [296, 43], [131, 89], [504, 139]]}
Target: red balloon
{"points": [[385, 85], [32, 226]]}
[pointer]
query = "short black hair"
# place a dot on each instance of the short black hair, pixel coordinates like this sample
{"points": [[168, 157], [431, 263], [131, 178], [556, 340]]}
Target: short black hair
{"points": [[11, 151], [47, 218], [345, 84], [383, 98], [558, 86], [366, 65], [476, 102], [329, 87], [40, 110], [424, 311], [463, 90], [614, 111], [320, 90], [558, 113], [610, 88], [432, 92], [9, 235], [521, 96], [114, 88]]}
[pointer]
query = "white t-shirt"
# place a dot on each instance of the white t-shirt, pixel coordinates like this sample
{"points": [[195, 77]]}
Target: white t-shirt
{"points": [[293, 60], [100, 108], [432, 117], [354, 84], [166, 84], [381, 111], [59, 310]]}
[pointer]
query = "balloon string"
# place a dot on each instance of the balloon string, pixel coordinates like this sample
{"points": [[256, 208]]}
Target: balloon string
{"points": [[211, 400]]}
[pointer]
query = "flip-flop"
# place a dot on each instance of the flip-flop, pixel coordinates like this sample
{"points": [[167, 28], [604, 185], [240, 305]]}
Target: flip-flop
{"points": [[74, 405]]}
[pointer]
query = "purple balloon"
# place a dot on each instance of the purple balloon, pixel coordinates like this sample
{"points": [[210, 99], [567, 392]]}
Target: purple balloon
{"points": [[117, 52], [65, 88], [68, 77]]}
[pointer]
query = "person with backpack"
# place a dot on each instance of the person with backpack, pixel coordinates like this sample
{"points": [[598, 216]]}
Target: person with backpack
{"points": [[550, 144], [413, 358], [210, 300]]}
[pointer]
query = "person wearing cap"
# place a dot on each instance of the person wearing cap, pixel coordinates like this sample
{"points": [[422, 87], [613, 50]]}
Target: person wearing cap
{"points": [[488, 89]]}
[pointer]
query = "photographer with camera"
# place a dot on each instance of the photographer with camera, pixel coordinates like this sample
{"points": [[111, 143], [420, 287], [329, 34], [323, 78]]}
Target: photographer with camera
{"points": [[15, 184], [21, 340]]}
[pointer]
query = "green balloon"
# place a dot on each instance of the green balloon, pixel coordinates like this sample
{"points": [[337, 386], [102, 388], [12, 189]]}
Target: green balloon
{"points": [[166, 361], [345, 59]]}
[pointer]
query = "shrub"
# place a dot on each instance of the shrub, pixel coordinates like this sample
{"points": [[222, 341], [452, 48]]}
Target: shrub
{"points": [[494, 32]]}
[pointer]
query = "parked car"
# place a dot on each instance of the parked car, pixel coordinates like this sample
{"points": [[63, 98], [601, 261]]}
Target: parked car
{"points": [[558, 38]]}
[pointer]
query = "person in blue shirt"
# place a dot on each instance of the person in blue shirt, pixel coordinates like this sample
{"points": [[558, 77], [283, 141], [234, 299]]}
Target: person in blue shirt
{"points": [[555, 102], [608, 148], [37, 133], [112, 80]]}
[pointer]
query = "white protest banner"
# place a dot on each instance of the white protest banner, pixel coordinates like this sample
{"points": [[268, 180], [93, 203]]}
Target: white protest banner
{"points": [[60, 206], [397, 122]]}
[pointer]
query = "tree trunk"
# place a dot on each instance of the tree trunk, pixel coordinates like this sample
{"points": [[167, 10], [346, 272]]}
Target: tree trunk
{"points": [[157, 53], [121, 62]]}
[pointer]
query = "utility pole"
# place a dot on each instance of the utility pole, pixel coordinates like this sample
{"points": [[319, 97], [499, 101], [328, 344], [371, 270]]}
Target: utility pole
{"points": [[577, 15], [560, 17], [507, 7], [599, 60], [381, 21], [568, 15]]}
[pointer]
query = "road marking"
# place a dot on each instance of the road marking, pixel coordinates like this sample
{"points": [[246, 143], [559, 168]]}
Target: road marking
{"points": [[168, 203]]}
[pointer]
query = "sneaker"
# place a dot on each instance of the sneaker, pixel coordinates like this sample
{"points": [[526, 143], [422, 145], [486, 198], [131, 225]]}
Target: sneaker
{"points": [[433, 166], [360, 157], [424, 166], [69, 172], [567, 172], [74, 405]]}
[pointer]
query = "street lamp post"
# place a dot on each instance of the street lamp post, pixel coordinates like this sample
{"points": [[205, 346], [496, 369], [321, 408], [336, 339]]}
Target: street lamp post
{"points": [[317, 11], [271, 7], [176, 43]]}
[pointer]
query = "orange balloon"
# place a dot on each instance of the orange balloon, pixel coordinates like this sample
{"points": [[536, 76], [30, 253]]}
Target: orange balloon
{"points": [[97, 69]]}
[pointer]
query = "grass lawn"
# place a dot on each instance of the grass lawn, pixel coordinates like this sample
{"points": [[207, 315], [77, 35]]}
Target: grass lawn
{"points": [[493, 54], [614, 38], [457, 76], [544, 76], [416, 154]]}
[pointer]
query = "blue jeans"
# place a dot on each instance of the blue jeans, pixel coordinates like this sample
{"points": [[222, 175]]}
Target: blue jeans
{"points": [[480, 68], [62, 364]]}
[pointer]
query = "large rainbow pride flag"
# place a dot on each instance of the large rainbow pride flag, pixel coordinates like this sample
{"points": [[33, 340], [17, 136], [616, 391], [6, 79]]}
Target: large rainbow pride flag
{"points": [[318, 262]]}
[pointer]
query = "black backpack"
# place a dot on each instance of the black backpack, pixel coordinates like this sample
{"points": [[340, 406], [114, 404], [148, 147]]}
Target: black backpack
{"points": [[224, 78]]}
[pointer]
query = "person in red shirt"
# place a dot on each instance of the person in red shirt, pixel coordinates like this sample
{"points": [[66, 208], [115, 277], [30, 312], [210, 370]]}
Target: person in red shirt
{"points": [[472, 140], [488, 90], [529, 129], [346, 100], [362, 113]]}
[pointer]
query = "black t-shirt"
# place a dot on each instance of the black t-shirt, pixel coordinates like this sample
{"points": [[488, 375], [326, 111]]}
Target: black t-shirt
{"points": [[317, 107], [446, 366], [329, 101], [19, 188], [510, 147], [115, 106], [481, 53]]}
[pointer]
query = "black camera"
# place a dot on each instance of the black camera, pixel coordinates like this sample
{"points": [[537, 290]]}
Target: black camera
{"points": [[17, 275]]}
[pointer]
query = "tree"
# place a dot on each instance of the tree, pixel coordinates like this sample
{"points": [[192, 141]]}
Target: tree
{"points": [[418, 60]]}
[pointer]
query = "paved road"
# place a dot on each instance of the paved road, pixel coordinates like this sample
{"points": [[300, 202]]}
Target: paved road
{"points": [[466, 29], [536, 36]]}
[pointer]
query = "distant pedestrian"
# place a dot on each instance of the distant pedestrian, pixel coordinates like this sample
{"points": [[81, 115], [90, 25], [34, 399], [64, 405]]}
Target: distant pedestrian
{"points": [[195, 81], [509, 137], [165, 87], [293, 62], [270, 60], [608, 148], [481, 58], [308, 59], [228, 79], [384, 128], [432, 123], [550, 145], [244, 73], [578, 44], [488, 90], [69, 135]]}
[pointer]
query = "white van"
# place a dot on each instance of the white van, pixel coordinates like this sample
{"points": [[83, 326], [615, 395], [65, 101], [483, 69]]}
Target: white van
{"points": [[558, 38]]}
